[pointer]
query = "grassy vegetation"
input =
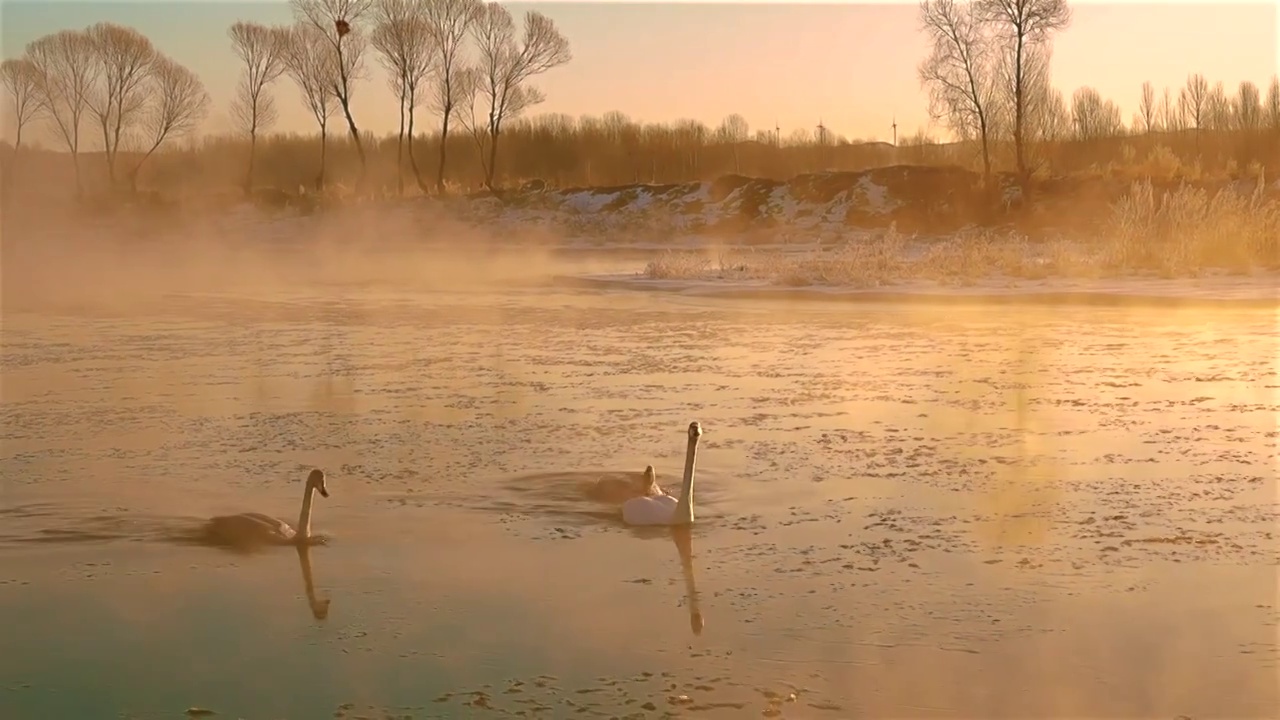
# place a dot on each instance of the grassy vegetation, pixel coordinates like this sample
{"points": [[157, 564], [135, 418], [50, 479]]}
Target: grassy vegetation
{"points": [[1187, 232]]}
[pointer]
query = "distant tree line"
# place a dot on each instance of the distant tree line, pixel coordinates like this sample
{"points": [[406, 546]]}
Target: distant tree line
{"points": [[987, 76], [988, 80]]}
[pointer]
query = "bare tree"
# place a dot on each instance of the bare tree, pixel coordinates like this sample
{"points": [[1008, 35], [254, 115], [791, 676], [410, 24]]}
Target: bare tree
{"points": [[450, 22], [1273, 104], [310, 65], [1171, 116], [179, 104], [733, 131], [1193, 103], [337, 22], [958, 72], [404, 41], [262, 50], [505, 67], [1248, 107], [66, 72], [1092, 116], [1219, 109], [22, 83], [1147, 108], [124, 57], [1022, 26]]}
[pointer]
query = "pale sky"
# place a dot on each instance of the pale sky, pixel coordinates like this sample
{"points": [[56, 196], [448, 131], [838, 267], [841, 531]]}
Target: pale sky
{"points": [[850, 66]]}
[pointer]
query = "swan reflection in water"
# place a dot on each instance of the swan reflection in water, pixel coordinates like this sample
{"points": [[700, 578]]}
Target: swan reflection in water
{"points": [[319, 606], [682, 535]]}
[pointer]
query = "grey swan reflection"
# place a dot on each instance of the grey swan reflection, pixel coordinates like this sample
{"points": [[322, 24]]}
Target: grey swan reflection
{"points": [[319, 606], [682, 535], [616, 490], [247, 530]]}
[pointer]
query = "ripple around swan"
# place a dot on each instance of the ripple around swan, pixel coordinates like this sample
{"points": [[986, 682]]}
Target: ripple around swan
{"points": [[54, 524]]}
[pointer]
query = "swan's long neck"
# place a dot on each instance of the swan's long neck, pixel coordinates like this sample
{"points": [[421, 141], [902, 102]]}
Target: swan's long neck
{"points": [[304, 518], [684, 508]]}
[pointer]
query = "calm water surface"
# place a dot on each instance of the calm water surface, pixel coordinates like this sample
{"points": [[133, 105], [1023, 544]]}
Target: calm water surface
{"points": [[924, 512]]}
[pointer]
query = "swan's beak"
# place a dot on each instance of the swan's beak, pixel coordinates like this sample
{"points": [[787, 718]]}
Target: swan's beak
{"points": [[323, 493]]}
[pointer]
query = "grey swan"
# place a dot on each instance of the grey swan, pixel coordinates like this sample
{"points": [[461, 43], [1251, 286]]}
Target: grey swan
{"points": [[247, 529]]}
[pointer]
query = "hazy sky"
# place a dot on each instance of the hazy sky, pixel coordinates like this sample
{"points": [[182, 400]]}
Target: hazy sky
{"points": [[851, 66]]}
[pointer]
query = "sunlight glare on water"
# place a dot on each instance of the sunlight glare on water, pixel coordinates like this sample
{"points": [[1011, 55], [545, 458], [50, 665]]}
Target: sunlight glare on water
{"points": [[902, 512]]}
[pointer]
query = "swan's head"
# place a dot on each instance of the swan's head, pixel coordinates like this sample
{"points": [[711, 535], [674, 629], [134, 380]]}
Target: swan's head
{"points": [[650, 479], [316, 480], [695, 431]]}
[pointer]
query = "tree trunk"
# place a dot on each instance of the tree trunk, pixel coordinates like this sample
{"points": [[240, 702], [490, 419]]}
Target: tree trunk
{"points": [[324, 147], [7, 183], [248, 176], [413, 160], [133, 175], [986, 157], [444, 143], [491, 168], [106, 150], [75, 163], [355, 135], [1019, 107], [400, 151]]}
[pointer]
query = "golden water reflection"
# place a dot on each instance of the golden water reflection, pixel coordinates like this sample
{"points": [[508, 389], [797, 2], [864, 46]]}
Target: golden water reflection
{"points": [[907, 514]]}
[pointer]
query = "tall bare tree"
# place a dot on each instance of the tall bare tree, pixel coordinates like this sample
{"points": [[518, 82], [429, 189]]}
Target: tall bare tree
{"points": [[1219, 109], [1092, 116], [310, 65], [253, 109], [178, 105], [1193, 104], [1147, 108], [338, 23], [505, 68], [733, 131], [1248, 107], [1022, 26], [1272, 111], [119, 98], [406, 46], [958, 72], [450, 22], [1171, 116], [22, 83], [66, 71]]}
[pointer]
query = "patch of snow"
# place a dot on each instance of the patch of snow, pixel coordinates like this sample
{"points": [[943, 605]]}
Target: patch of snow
{"points": [[877, 195], [585, 201]]}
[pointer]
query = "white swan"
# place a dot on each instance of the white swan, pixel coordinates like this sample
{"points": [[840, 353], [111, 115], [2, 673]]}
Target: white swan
{"points": [[259, 529], [663, 509], [615, 489]]}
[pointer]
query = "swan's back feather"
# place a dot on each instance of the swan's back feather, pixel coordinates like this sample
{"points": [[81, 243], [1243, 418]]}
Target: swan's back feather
{"points": [[249, 528], [649, 510], [619, 490]]}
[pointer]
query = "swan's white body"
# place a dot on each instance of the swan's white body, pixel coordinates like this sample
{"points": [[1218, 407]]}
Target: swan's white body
{"points": [[259, 529], [663, 509]]}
